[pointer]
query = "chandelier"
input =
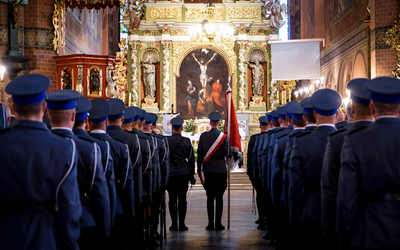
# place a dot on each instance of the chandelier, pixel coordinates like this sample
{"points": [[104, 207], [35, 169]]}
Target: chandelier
{"points": [[209, 30]]}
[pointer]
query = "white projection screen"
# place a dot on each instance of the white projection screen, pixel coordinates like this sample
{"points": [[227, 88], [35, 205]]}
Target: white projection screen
{"points": [[295, 59]]}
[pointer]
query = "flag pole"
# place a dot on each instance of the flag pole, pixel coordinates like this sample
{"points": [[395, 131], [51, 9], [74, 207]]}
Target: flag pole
{"points": [[229, 162]]}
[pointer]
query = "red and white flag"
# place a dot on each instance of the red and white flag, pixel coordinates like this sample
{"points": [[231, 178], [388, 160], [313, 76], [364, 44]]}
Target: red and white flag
{"points": [[232, 128]]}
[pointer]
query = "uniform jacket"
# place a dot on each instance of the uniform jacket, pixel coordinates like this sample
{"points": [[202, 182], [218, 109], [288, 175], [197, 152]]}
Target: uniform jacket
{"points": [[38, 166], [217, 163], [370, 166], [147, 165], [123, 174], [305, 174], [164, 159], [183, 152], [275, 135], [92, 183], [108, 168], [250, 147], [255, 158], [155, 158], [264, 159], [285, 163], [277, 165], [132, 141], [330, 175]]}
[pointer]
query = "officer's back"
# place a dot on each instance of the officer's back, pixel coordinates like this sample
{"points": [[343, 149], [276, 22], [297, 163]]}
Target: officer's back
{"points": [[39, 197]]}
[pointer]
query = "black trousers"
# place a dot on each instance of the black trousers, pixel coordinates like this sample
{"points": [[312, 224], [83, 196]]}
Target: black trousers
{"points": [[177, 188]]}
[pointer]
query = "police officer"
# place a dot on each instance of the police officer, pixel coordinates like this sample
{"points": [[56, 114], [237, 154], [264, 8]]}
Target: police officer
{"points": [[39, 194], [180, 173], [95, 221], [255, 145], [368, 211], [305, 167], [81, 120], [146, 152], [331, 164], [212, 169], [98, 117], [163, 175]]}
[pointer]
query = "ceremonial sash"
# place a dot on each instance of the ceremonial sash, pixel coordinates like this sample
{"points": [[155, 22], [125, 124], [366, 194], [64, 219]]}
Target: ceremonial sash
{"points": [[214, 147]]}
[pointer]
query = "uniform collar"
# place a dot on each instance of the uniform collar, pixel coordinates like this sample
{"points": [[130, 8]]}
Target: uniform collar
{"points": [[297, 129], [114, 127], [31, 124], [326, 125], [97, 131], [311, 125], [386, 116], [61, 128]]}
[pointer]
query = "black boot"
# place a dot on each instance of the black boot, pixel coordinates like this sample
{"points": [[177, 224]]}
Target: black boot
{"points": [[218, 216], [173, 212], [182, 216], [210, 213]]}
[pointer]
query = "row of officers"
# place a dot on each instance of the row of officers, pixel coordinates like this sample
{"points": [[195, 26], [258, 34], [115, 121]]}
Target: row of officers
{"points": [[325, 188], [65, 188]]}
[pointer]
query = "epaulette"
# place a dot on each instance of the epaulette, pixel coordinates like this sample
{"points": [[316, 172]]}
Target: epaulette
{"points": [[278, 130], [281, 136], [85, 139], [4, 130], [338, 132], [303, 134], [357, 130]]}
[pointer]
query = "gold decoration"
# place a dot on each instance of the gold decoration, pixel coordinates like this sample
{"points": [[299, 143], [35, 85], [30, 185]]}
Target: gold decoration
{"points": [[134, 96], [164, 13], [111, 89], [166, 75], [273, 97], [179, 33], [59, 24], [72, 76], [392, 39], [79, 81], [201, 14], [120, 77], [150, 53], [256, 32], [286, 94], [257, 101], [150, 32], [242, 74], [15, 12], [242, 12], [150, 102], [256, 118]]}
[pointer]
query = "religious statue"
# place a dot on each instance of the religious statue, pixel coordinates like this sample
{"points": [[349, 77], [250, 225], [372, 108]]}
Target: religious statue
{"points": [[66, 79], [136, 11], [203, 76], [149, 78], [15, 11], [258, 77], [94, 81], [216, 96], [111, 89], [273, 98], [272, 10]]}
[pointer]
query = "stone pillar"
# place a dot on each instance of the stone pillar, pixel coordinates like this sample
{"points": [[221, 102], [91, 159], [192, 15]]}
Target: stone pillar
{"points": [[383, 14], [166, 75], [134, 93], [242, 74]]}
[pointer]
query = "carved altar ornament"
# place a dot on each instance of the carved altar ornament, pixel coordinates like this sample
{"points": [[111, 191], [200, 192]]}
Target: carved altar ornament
{"points": [[15, 12], [201, 14], [79, 81], [242, 74], [392, 39], [178, 32], [94, 81], [165, 12], [273, 97], [166, 66], [59, 25], [273, 11], [134, 97], [111, 89], [120, 77], [67, 78], [136, 11], [242, 12]]}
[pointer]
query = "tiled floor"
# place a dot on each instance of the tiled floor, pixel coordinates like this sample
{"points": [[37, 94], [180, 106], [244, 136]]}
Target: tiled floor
{"points": [[243, 233]]}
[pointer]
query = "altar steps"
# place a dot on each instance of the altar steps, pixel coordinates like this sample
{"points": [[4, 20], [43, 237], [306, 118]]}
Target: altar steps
{"points": [[239, 181]]}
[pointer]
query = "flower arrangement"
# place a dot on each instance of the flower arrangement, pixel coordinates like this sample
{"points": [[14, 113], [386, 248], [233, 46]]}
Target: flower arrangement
{"points": [[189, 126]]}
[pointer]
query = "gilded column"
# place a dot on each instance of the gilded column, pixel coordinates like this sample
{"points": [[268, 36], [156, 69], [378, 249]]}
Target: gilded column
{"points": [[242, 74], [134, 96], [166, 68]]}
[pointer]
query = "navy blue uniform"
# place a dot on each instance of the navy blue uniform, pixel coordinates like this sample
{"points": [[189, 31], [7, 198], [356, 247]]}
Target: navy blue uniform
{"points": [[108, 168], [341, 125], [330, 177], [96, 220], [368, 209], [38, 172]]}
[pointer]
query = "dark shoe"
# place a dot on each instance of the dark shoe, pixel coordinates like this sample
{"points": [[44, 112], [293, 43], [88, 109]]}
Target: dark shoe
{"points": [[219, 228], [152, 243], [267, 236], [183, 227], [157, 236], [257, 221], [182, 216], [272, 242], [173, 227], [210, 227]]}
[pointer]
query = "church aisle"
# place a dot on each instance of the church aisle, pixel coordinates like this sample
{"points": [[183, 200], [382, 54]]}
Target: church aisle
{"points": [[242, 235]]}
